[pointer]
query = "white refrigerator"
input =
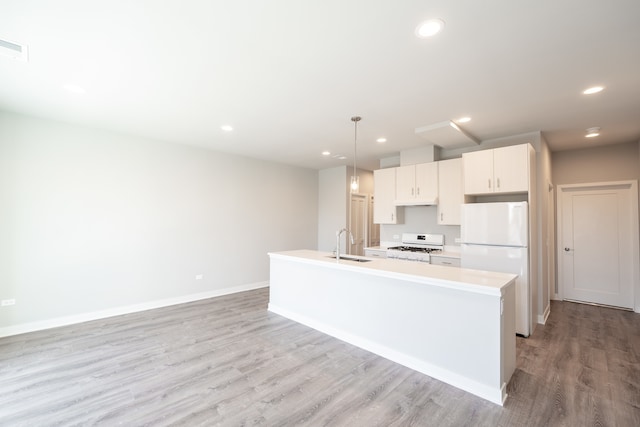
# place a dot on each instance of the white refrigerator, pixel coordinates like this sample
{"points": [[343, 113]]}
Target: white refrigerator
{"points": [[495, 237]]}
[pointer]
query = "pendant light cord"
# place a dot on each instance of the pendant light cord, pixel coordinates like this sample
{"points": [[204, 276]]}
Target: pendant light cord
{"points": [[355, 120], [355, 145]]}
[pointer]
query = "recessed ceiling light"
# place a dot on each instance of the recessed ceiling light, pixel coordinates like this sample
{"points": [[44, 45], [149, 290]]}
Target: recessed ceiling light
{"points": [[463, 119], [381, 140], [429, 28], [592, 90], [226, 128], [341, 158], [593, 132], [326, 153], [75, 89]]}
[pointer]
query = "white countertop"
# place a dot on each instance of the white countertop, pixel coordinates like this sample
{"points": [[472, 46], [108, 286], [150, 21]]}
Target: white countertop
{"points": [[477, 281]]}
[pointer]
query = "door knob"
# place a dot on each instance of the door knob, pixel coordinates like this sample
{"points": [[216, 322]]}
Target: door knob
{"points": [[567, 249]]}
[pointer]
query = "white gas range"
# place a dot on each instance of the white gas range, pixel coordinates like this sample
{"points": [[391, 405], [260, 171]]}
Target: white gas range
{"points": [[417, 247]]}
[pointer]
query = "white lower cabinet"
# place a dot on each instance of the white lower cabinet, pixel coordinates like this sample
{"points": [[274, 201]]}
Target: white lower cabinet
{"points": [[375, 253], [444, 260]]}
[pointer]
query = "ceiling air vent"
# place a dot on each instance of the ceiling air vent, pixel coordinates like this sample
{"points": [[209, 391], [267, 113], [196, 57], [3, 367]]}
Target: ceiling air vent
{"points": [[13, 50], [447, 135]]}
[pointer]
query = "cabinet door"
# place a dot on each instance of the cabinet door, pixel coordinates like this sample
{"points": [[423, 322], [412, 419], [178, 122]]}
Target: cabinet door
{"points": [[511, 169], [375, 253], [478, 172], [440, 260], [450, 193], [426, 181], [384, 209], [405, 183]]}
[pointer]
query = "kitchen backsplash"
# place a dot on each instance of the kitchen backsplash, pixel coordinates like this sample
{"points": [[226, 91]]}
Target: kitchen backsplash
{"points": [[420, 219]]}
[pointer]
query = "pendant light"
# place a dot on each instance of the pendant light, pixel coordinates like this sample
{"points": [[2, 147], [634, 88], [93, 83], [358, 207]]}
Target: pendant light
{"points": [[355, 179]]}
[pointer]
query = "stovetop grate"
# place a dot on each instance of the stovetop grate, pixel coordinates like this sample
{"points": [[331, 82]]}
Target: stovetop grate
{"points": [[414, 249]]}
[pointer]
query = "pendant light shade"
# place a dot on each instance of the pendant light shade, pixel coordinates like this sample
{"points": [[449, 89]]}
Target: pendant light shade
{"points": [[355, 179], [355, 184]]}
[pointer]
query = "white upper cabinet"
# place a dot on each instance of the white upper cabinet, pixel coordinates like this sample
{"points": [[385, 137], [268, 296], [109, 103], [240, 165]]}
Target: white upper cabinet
{"points": [[500, 170], [427, 182], [417, 184], [405, 183], [511, 169], [384, 208], [450, 192], [478, 172]]}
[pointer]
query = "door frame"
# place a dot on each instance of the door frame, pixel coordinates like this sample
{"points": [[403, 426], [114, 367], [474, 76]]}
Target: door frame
{"points": [[549, 246], [365, 197], [632, 186]]}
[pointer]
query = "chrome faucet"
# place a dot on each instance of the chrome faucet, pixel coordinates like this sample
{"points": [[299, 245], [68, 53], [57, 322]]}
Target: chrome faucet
{"points": [[338, 234]]}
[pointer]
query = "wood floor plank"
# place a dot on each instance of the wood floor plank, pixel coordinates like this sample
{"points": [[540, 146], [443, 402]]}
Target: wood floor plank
{"points": [[227, 361]]}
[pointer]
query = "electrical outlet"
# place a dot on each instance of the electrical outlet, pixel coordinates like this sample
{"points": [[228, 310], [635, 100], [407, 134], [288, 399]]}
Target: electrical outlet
{"points": [[199, 277], [6, 302]]}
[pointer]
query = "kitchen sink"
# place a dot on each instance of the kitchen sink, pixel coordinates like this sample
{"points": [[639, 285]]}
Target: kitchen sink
{"points": [[351, 258]]}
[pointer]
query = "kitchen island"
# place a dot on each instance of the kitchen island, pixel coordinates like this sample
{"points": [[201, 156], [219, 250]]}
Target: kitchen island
{"points": [[454, 324]]}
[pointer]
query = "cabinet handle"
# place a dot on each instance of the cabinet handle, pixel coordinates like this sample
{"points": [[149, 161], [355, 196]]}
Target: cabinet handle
{"points": [[412, 191], [441, 217], [418, 191], [489, 182], [391, 217], [498, 182]]}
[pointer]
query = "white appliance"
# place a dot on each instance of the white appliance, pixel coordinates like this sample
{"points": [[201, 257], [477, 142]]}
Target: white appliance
{"points": [[495, 237], [417, 246]]}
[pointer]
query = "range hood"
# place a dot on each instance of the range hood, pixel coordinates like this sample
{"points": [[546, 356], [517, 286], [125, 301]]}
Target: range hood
{"points": [[432, 201]]}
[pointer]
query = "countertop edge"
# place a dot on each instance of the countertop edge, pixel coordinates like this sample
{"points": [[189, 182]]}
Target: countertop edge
{"points": [[381, 272]]}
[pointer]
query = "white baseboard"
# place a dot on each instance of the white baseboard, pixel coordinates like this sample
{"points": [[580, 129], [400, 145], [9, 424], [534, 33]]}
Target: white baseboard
{"points": [[117, 311], [542, 318]]}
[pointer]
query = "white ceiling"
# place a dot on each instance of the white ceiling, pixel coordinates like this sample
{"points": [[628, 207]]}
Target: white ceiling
{"points": [[289, 74]]}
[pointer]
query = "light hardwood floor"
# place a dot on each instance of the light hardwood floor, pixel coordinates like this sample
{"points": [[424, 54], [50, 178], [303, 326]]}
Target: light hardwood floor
{"points": [[227, 361]]}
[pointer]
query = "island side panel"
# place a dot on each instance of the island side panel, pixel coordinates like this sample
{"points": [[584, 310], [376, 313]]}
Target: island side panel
{"points": [[508, 334], [449, 334]]}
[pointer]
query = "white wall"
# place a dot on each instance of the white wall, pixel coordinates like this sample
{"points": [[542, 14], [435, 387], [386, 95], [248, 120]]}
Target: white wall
{"points": [[596, 164], [332, 205], [619, 162], [91, 220], [420, 219]]}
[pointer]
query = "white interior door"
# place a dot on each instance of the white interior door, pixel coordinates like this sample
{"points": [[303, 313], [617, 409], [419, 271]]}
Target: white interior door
{"points": [[358, 224], [598, 243]]}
